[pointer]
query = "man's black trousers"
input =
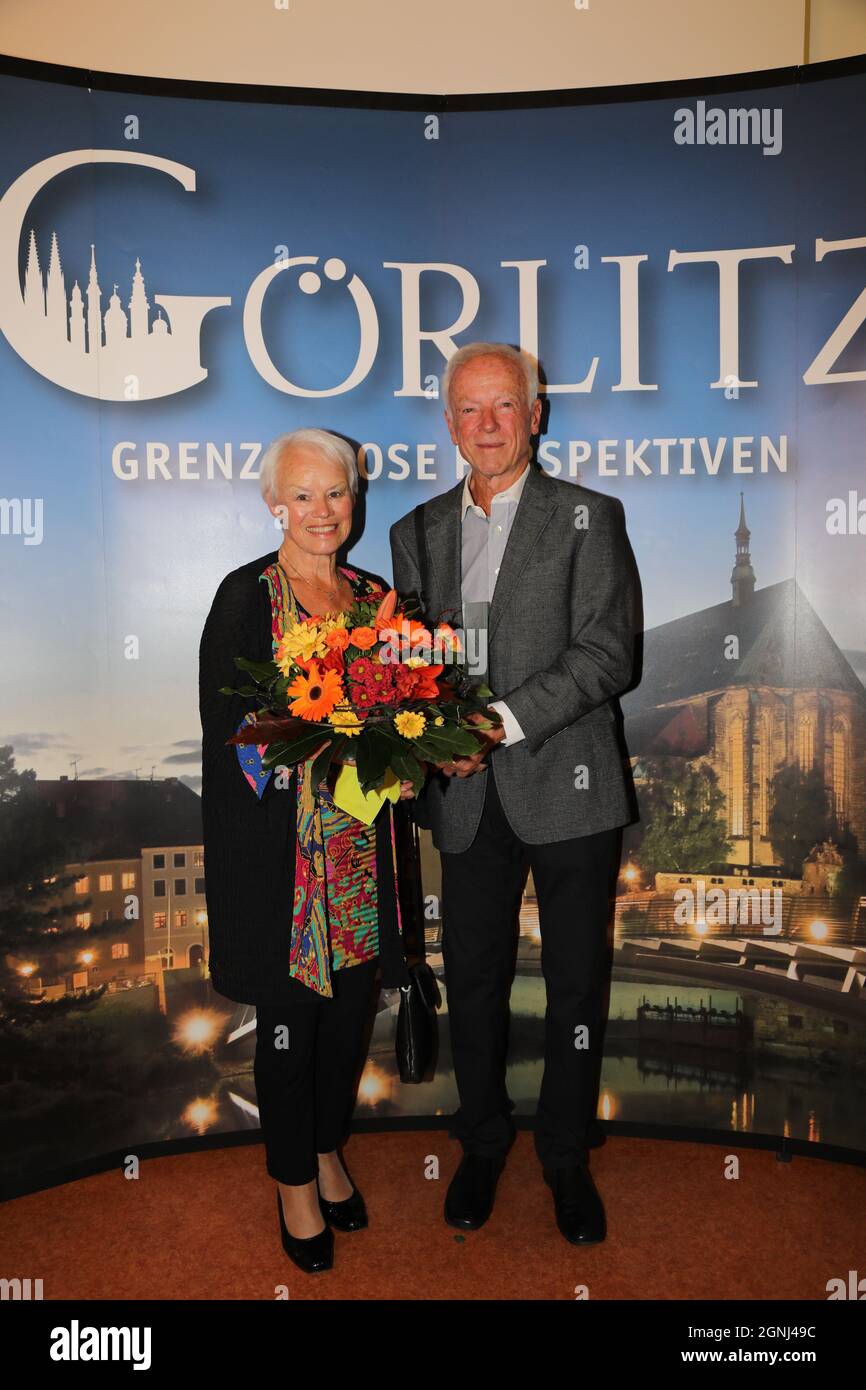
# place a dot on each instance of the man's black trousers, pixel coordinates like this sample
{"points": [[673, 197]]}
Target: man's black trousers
{"points": [[481, 892]]}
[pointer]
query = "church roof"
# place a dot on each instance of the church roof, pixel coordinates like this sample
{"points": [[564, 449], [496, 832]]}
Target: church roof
{"points": [[782, 643]]}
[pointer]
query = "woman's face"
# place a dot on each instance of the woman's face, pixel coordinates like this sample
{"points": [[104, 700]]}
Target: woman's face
{"points": [[313, 501]]}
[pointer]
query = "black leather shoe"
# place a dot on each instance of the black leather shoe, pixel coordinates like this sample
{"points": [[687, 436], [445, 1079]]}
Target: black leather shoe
{"points": [[469, 1200], [579, 1208], [348, 1215], [311, 1254]]}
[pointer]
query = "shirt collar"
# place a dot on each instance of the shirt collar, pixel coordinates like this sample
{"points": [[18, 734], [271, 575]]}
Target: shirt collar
{"points": [[511, 494]]}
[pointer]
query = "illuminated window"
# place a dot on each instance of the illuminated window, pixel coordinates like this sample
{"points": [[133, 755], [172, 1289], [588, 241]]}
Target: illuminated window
{"points": [[180, 919], [119, 950], [127, 880], [159, 921], [82, 886], [763, 774], [840, 770], [82, 919], [198, 858], [106, 883], [806, 744], [736, 776]]}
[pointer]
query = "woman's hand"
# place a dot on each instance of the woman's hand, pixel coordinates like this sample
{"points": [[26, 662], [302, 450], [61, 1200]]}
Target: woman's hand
{"points": [[406, 791]]}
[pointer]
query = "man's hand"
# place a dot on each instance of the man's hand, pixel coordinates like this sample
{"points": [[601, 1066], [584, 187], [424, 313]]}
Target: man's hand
{"points": [[465, 767]]}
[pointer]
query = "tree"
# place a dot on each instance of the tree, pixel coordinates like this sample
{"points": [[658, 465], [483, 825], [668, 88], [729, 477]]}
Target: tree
{"points": [[682, 809], [33, 855], [800, 816], [851, 880]]}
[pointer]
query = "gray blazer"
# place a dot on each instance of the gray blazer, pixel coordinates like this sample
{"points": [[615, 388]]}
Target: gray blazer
{"points": [[560, 649]]}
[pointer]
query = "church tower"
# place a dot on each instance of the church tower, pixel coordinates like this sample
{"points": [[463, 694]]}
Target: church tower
{"points": [[742, 575]]}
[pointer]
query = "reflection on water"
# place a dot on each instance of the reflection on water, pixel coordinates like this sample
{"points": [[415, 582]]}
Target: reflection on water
{"points": [[668, 1084]]}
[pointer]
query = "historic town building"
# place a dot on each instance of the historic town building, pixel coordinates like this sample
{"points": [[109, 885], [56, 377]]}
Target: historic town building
{"points": [[750, 686]]}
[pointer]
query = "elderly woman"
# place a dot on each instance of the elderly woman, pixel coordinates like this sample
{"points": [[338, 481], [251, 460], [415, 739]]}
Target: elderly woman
{"points": [[301, 897]]}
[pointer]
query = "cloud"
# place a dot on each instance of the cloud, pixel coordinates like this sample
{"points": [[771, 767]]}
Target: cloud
{"points": [[26, 744], [193, 757]]}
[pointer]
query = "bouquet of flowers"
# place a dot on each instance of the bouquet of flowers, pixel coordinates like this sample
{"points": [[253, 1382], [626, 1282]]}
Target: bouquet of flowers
{"points": [[370, 686]]}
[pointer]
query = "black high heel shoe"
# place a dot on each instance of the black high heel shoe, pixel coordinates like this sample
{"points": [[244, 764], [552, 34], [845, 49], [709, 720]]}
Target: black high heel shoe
{"points": [[311, 1254], [348, 1215]]}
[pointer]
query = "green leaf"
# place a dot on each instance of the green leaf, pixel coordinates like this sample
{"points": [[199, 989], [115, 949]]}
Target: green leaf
{"points": [[373, 755], [452, 740], [263, 671], [407, 767], [300, 748], [320, 767]]}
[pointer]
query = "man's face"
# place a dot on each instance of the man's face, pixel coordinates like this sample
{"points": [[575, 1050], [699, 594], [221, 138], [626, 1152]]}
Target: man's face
{"points": [[489, 417]]}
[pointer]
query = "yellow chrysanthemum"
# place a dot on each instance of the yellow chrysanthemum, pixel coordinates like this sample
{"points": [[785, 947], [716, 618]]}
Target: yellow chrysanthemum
{"points": [[299, 642], [409, 723], [413, 661], [329, 622], [439, 719], [346, 720]]}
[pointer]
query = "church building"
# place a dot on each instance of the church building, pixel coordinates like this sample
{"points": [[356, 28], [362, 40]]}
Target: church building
{"points": [[750, 686]]}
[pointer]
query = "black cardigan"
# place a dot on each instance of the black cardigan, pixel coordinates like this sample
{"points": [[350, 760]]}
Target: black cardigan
{"points": [[249, 842]]}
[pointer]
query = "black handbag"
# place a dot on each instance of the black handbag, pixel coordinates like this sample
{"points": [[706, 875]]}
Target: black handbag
{"points": [[416, 1024]]}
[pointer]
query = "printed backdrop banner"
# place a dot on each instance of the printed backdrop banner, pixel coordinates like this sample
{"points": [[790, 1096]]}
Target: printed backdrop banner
{"points": [[185, 278]]}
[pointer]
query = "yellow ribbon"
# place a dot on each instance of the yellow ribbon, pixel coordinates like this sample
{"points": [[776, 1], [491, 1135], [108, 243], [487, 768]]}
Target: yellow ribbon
{"points": [[364, 806]]}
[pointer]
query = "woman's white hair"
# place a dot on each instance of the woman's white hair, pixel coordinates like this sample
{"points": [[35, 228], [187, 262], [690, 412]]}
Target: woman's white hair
{"points": [[527, 365], [330, 445]]}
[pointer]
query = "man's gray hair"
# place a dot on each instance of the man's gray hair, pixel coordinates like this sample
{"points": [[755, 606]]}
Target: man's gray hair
{"points": [[330, 445], [527, 365]]}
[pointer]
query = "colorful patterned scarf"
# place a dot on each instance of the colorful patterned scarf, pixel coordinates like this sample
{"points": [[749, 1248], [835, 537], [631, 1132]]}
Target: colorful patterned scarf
{"points": [[309, 954]]}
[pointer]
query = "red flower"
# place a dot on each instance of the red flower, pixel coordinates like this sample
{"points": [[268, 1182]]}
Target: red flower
{"points": [[406, 681], [332, 662], [360, 695], [427, 687]]}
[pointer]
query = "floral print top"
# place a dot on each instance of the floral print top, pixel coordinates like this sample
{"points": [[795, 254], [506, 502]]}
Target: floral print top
{"points": [[335, 911]]}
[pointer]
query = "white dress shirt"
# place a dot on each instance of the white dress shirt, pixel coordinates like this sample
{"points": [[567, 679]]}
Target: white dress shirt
{"points": [[483, 546]]}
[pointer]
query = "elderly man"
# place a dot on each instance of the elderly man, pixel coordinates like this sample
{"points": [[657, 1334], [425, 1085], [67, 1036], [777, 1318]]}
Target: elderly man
{"points": [[540, 575]]}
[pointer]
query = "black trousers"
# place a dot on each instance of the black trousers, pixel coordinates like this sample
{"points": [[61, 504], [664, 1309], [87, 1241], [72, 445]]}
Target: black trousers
{"points": [[306, 1089], [481, 892]]}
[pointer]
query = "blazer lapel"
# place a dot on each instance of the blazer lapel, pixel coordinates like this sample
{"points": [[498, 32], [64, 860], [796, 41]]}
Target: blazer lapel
{"points": [[444, 548], [444, 541], [533, 513]]}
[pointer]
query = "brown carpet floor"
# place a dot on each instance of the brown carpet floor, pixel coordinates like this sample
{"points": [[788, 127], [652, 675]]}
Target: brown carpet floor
{"points": [[204, 1225]]}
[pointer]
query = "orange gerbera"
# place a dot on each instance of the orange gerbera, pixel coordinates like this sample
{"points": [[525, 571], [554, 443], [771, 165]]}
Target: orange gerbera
{"points": [[316, 692], [448, 637], [409, 630], [363, 637]]}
